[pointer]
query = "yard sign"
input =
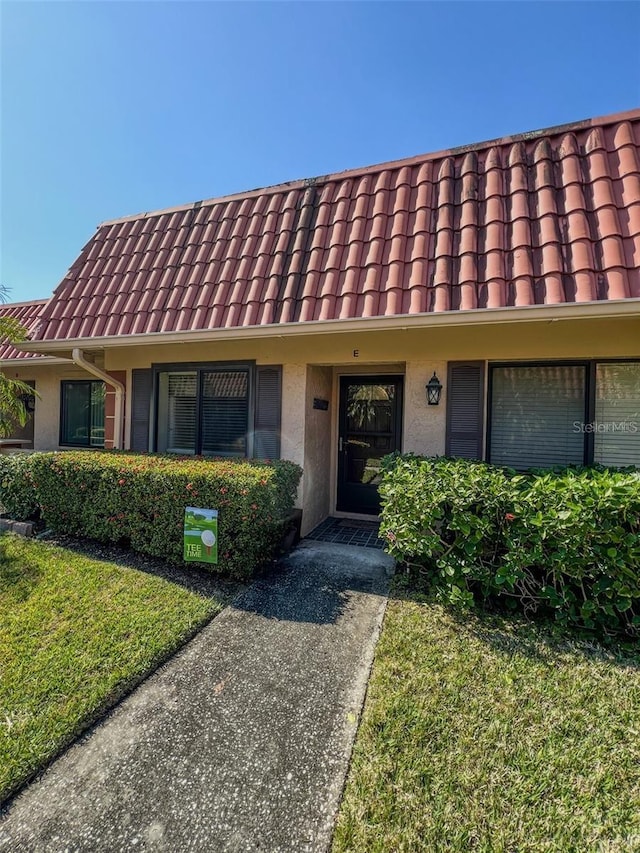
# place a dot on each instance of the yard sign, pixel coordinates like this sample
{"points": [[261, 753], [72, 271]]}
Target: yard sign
{"points": [[200, 535]]}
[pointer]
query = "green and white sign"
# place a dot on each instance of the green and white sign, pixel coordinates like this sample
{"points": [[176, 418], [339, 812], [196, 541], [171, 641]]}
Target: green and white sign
{"points": [[200, 535]]}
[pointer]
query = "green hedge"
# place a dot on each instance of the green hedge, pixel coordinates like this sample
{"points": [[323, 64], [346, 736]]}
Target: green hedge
{"points": [[17, 492], [565, 541], [139, 500]]}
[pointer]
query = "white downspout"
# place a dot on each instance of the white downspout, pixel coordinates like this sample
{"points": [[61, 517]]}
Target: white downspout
{"points": [[80, 360]]}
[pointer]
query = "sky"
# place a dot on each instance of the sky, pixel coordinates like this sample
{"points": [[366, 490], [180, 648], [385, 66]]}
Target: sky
{"points": [[114, 108]]}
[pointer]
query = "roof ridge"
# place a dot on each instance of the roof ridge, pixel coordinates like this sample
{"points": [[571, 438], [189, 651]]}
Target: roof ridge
{"points": [[298, 183]]}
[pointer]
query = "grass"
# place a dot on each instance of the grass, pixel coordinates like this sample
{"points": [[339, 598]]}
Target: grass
{"points": [[75, 634], [483, 733]]}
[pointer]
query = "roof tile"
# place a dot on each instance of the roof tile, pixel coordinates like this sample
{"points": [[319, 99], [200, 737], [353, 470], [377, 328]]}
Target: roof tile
{"points": [[27, 314], [544, 218]]}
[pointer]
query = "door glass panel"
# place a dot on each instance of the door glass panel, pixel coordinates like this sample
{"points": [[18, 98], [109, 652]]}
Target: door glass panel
{"points": [[370, 409], [83, 413], [96, 431], [370, 415], [74, 410]]}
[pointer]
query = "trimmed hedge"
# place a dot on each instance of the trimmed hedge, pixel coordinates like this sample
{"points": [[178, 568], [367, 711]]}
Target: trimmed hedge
{"points": [[17, 492], [565, 542], [139, 500]]}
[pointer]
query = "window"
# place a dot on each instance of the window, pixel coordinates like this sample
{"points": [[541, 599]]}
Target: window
{"points": [[204, 411], [565, 414], [617, 414], [533, 413], [82, 413], [177, 399]]}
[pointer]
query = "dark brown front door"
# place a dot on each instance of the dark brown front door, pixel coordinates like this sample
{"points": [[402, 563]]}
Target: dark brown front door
{"points": [[370, 427]]}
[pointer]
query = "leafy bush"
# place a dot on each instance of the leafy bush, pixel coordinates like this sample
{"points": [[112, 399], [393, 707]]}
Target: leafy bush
{"points": [[17, 492], [139, 500], [563, 541]]}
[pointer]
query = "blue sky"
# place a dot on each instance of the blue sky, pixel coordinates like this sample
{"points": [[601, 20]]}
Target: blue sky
{"points": [[112, 108]]}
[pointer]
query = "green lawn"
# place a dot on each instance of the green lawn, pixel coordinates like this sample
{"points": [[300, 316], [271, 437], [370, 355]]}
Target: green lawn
{"points": [[75, 634], [489, 734]]}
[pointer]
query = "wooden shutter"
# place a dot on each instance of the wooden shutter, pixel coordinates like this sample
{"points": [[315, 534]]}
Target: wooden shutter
{"points": [[140, 408], [267, 418], [465, 409]]}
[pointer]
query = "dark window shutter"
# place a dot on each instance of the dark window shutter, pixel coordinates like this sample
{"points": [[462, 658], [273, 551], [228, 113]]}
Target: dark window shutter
{"points": [[267, 420], [465, 396], [140, 408]]}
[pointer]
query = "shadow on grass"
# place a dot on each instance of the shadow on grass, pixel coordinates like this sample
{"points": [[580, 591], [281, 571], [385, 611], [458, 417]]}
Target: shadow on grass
{"points": [[318, 592], [17, 579], [535, 637], [194, 578]]}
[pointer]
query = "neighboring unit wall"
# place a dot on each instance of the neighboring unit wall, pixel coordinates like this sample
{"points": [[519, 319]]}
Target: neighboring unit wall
{"points": [[46, 418], [317, 448]]}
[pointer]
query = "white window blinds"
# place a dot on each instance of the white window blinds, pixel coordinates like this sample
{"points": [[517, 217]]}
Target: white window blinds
{"points": [[225, 411], [537, 415], [177, 412], [617, 414]]}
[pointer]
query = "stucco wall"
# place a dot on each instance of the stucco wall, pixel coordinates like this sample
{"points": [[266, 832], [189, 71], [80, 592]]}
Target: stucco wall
{"points": [[551, 339], [424, 426], [317, 448], [294, 380], [418, 353]]}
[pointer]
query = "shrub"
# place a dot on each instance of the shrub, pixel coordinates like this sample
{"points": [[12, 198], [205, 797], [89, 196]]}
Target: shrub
{"points": [[565, 541], [139, 500], [17, 492]]}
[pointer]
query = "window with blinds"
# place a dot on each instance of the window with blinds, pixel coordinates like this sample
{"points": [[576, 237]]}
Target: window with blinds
{"points": [[203, 411], [225, 412], [537, 415], [177, 412], [616, 424]]}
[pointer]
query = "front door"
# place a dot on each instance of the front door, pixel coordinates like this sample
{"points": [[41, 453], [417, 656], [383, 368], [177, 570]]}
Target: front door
{"points": [[370, 427]]}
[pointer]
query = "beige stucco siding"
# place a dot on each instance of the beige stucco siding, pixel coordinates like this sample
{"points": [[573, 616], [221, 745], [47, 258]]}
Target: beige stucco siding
{"points": [[294, 382], [524, 340], [312, 365], [317, 448], [424, 426]]}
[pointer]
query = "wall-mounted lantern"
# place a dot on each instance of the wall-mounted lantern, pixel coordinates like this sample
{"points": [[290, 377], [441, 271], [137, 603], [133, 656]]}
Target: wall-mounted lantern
{"points": [[434, 390], [29, 402]]}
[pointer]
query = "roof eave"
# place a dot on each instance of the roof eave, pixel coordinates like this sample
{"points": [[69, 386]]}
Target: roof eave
{"points": [[482, 316], [31, 360]]}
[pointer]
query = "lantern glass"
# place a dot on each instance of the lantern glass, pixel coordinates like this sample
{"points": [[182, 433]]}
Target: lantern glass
{"points": [[434, 390]]}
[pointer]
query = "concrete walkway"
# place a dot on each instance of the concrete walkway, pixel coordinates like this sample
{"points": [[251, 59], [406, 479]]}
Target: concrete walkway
{"points": [[241, 742]]}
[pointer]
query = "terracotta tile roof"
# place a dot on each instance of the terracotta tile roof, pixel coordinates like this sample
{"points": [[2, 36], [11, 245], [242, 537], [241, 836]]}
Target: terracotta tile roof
{"points": [[26, 313], [537, 219]]}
